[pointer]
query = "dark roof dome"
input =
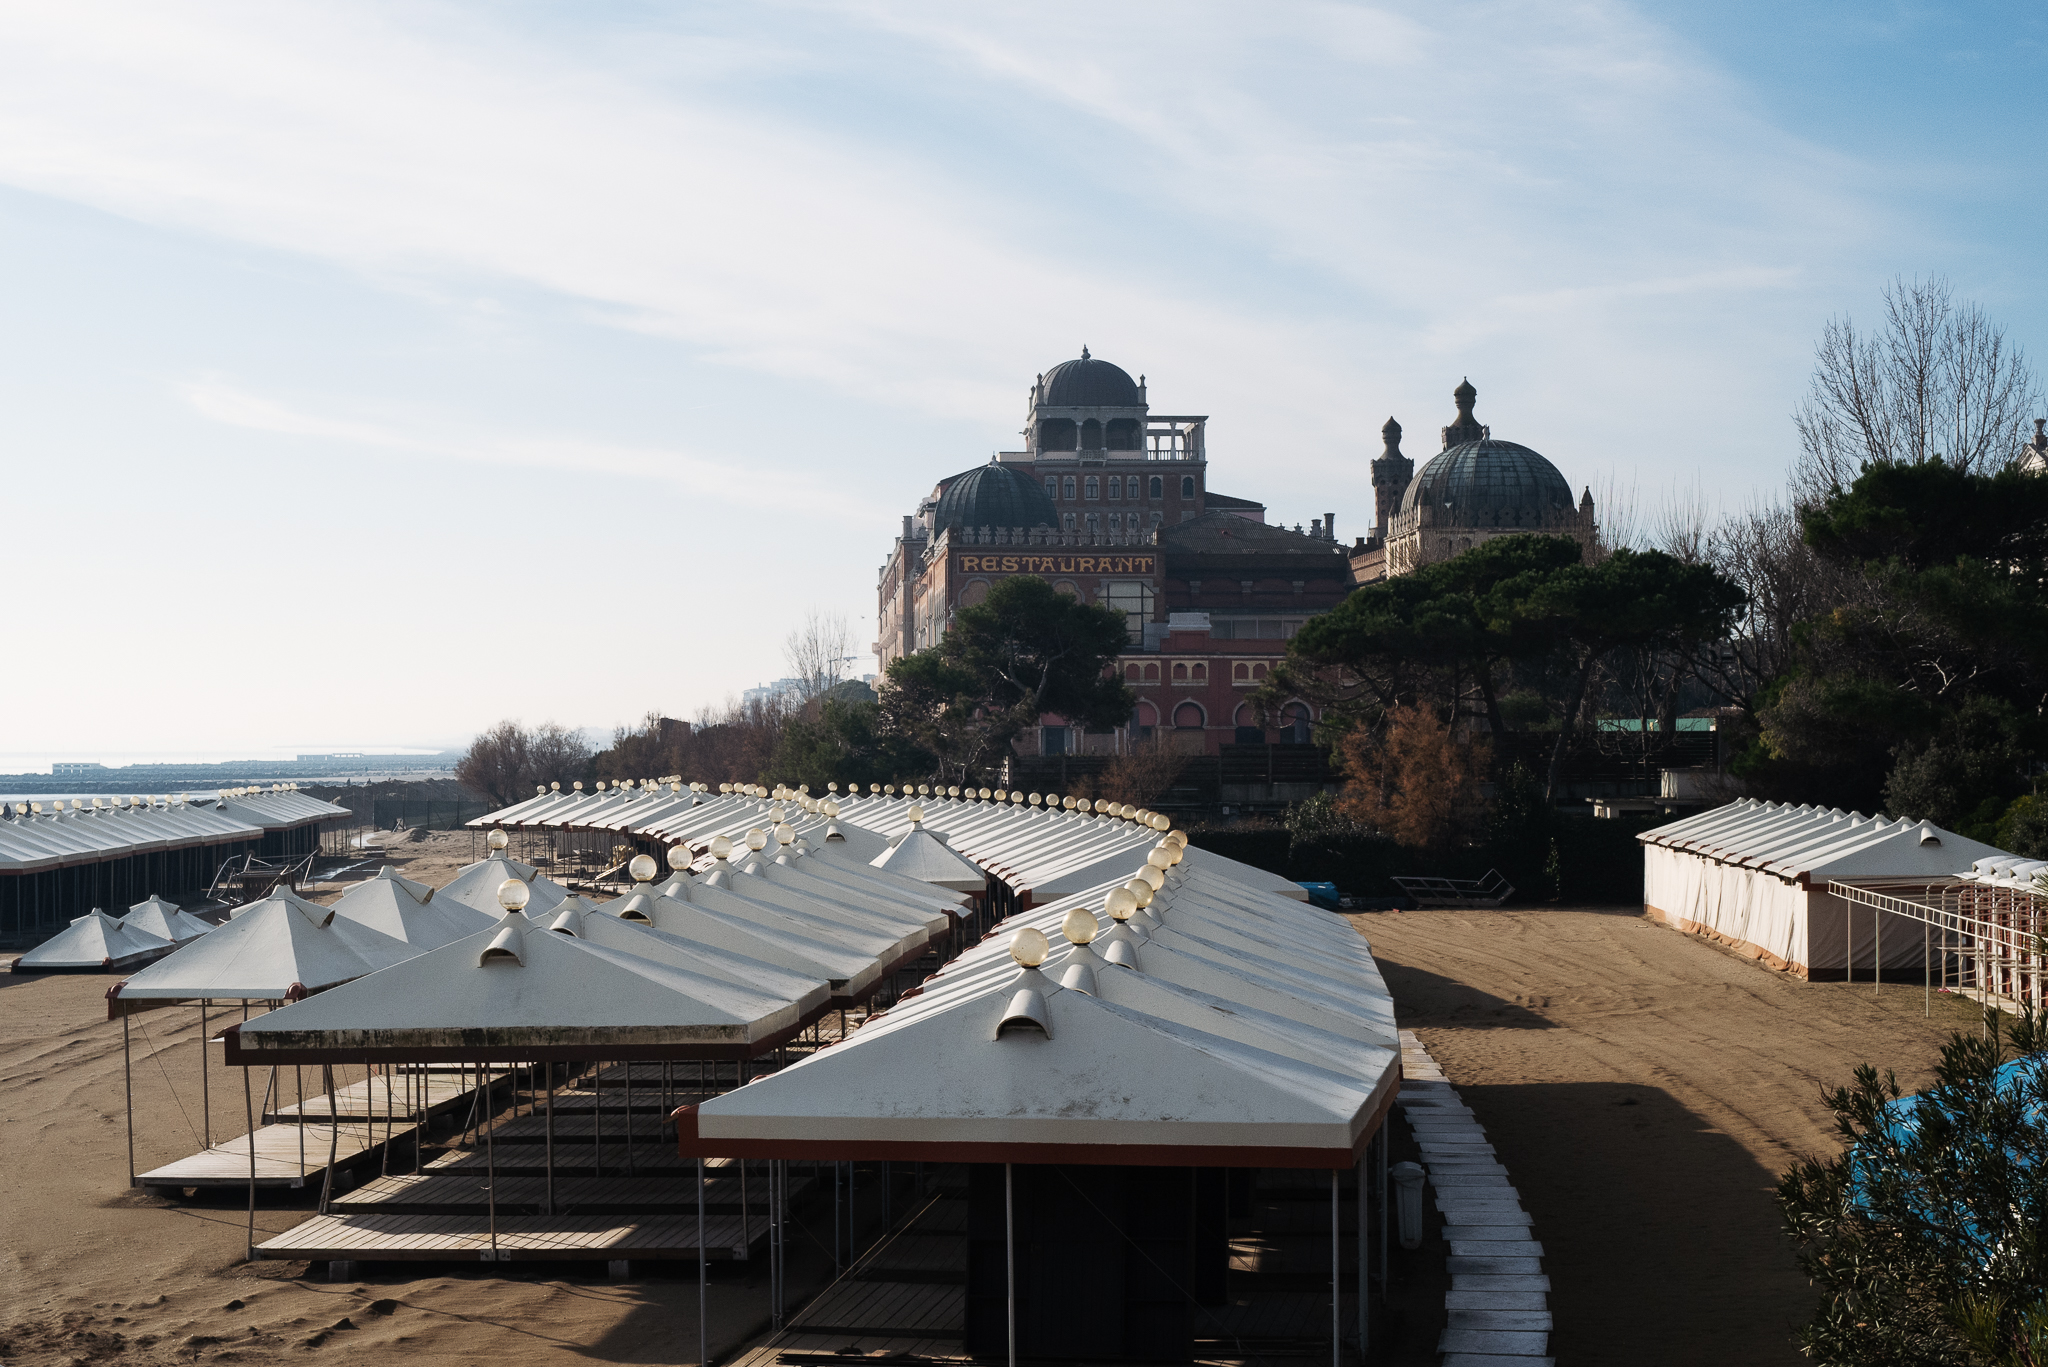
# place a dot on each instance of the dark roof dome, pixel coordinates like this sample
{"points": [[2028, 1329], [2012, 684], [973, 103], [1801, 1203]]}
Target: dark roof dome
{"points": [[1088, 383], [994, 495], [1490, 483]]}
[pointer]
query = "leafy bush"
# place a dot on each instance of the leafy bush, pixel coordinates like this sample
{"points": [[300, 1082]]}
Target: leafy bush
{"points": [[1925, 1235]]}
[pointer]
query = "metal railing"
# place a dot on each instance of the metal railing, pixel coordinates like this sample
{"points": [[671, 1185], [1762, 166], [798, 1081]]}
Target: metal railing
{"points": [[1991, 937]]}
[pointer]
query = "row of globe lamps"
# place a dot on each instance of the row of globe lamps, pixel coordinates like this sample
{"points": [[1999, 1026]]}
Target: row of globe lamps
{"points": [[802, 795], [1029, 947]]}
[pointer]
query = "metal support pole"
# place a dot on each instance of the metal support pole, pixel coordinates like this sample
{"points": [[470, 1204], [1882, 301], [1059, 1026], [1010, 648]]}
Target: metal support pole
{"points": [[1386, 1288], [1009, 1260], [703, 1282], [333, 1136], [1927, 965], [1336, 1277], [128, 1093], [551, 1139], [1876, 950], [491, 1183], [249, 1111], [205, 1089], [1364, 1281]]}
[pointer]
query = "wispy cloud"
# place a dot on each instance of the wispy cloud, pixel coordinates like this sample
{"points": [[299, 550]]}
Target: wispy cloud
{"points": [[728, 482]]}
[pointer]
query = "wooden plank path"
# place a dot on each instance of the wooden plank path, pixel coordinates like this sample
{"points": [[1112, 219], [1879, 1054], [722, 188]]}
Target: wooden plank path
{"points": [[440, 1193], [650, 1158], [520, 1238], [278, 1161], [382, 1098]]}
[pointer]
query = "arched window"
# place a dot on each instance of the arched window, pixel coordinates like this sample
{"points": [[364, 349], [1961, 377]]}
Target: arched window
{"points": [[1151, 674], [1180, 672], [1070, 486], [1133, 673], [1241, 675], [1070, 516], [1116, 487], [1299, 724], [1158, 487], [1091, 435], [975, 592], [1245, 715], [1116, 522], [1052, 486], [1258, 671], [1198, 672], [1066, 586], [1187, 717], [1094, 488], [1187, 486]]}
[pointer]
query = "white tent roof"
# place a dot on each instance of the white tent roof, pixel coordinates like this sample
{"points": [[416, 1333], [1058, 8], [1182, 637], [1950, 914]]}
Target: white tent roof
{"points": [[917, 854], [409, 911], [268, 951], [520, 990], [1818, 844], [94, 940], [476, 885], [165, 920], [1246, 1030]]}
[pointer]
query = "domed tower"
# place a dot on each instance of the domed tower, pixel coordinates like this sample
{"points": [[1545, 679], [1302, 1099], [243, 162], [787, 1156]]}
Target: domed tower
{"points": [[993, 495], [1089, 405], [1479, 487]]}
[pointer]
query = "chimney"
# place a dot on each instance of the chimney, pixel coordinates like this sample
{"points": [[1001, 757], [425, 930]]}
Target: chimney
{"points": [[1330, 526], [906, 526]]}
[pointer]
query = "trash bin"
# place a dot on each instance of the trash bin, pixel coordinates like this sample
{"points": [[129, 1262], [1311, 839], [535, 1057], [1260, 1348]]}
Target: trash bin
{"points": [[1408, 1202]]}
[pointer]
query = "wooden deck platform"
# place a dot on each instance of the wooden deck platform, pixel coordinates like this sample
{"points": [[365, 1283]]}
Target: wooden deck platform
{"points": [[278, 1157], [438, 1192], [382, 1098], [520, 1238], [650, 1158]]}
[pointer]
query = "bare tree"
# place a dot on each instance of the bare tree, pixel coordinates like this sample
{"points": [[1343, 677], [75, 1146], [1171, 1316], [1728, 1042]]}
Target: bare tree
{"points": [[1619, 509], [1938, 379], [506, 762], [818, 653]]}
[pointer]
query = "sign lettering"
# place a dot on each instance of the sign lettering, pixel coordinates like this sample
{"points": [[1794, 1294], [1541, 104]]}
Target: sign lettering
{"points": [[1056, 564]]}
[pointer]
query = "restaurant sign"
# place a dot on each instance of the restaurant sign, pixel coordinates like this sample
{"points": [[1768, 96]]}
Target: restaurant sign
{"points": [[1056, 564]]}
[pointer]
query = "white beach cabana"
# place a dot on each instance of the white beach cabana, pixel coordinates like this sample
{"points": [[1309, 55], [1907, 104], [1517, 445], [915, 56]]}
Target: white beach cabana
{"points": [[167, 920], [95, 943], [1755, 875]]}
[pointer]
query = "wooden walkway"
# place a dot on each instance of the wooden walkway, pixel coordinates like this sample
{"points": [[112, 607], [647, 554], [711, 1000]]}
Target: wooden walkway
{"points": [[382, 1098], [278, 1157], [438, 1192], [519, 1238]]}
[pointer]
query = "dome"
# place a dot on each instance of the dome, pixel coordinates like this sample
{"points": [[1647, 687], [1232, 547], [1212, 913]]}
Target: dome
{"points": [[1490, 483], [994, 495], [1089, 383]]}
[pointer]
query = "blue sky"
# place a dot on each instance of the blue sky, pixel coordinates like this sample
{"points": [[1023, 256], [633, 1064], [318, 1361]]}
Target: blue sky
{"points": [[369, 373]]}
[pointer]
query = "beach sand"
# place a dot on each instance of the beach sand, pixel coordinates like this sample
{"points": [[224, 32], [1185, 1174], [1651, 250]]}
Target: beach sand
{"points": [[1645, 1089]]}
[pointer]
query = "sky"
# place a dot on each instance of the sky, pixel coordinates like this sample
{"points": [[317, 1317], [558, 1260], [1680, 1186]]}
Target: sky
{"points": [[370, 373]]}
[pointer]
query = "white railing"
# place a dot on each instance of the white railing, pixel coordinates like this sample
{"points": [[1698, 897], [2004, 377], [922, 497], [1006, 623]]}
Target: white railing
{"points": [[1991, 937]]}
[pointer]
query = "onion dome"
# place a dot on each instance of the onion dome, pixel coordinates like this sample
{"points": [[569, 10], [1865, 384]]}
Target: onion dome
{"points": [[994, 495], [1088, 383]]}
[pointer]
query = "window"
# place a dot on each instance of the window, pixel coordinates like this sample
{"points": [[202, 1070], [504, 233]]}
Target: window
{"points": [[1116, 487], [1052, 486], [1133, 673], [1158, 488], [1222, 629], [1070, 486], [1134, 598], [1069, 522], [1151, 673], [1052, 740], [1187, 486], [1180, 672], [1157, 518], [1187, 716], [1199, 672], [1116, 522], [1094, 488], [1094, 521], [1241, 675]]}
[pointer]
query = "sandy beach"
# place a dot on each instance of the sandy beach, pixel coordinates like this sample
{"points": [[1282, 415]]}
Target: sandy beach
{"points": [[1644, 1088]]}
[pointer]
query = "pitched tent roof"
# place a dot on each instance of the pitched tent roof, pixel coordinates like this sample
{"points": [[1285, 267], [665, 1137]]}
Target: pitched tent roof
{"points": [[166, 920], [476, 885], [270, 950], [918, 854], [93, 941], [519, 990], [1246, 1031], [1821, 843], [409, 911]]}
